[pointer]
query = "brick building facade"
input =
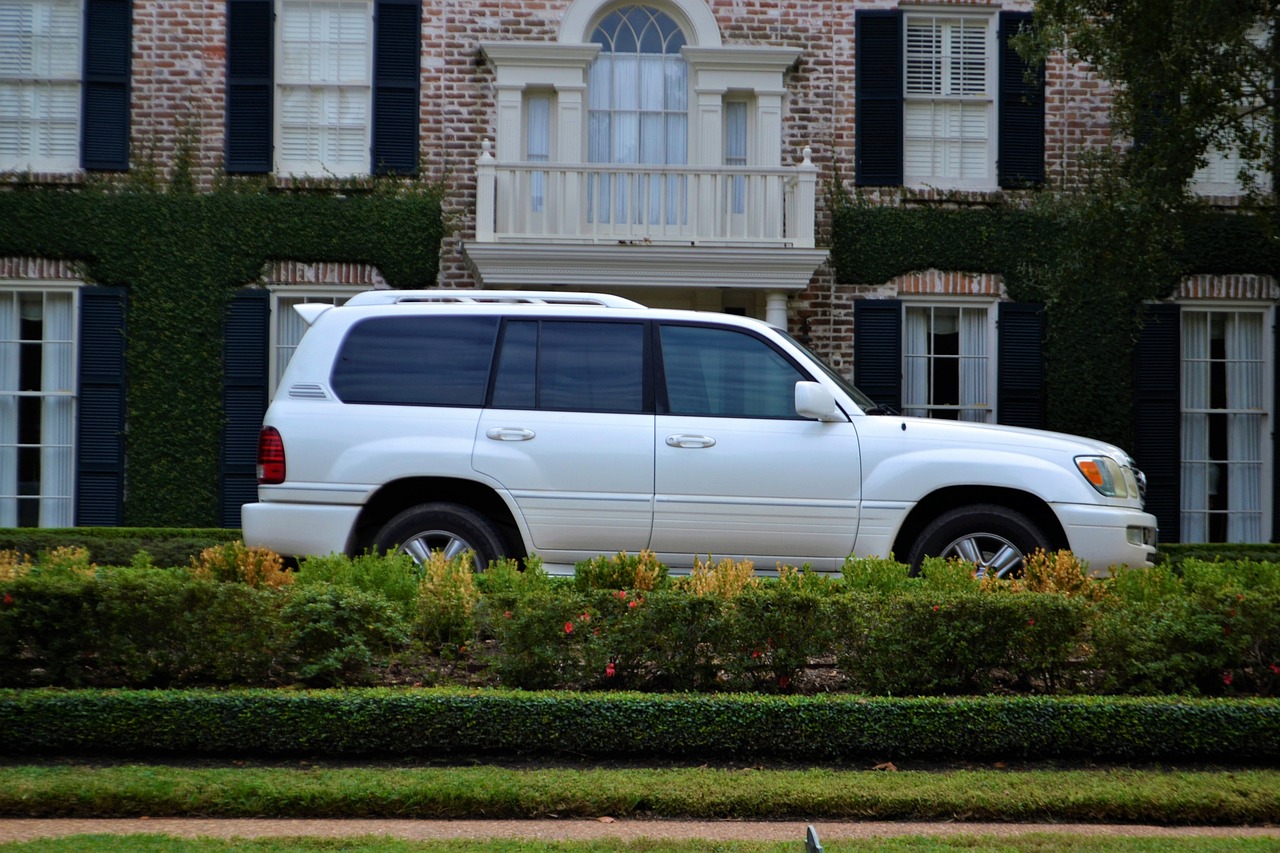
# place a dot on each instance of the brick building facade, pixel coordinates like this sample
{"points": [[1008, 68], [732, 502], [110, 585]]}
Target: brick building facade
{"points": [[675, 151]]}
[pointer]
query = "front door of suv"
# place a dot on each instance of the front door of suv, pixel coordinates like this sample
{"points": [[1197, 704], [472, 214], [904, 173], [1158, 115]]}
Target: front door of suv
{"points": [[568, 434], [738, 473]]}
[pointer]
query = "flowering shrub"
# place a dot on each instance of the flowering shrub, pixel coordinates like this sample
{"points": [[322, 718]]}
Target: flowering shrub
{"points": [[446, 600], [621, 571], [726, 578], [13, 564], [234, 562]]}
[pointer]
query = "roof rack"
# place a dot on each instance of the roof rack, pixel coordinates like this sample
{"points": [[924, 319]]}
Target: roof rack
{"points": [[490, 297]]}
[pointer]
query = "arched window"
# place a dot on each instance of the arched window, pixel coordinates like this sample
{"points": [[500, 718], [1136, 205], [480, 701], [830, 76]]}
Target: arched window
{"points": [[638, 113]]}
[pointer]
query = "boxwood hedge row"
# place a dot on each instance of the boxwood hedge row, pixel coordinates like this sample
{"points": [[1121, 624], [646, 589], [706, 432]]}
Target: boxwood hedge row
{"points": [[446, 722]]}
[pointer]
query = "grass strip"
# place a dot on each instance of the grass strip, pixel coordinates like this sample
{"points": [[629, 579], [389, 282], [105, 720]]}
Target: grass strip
{"points": [[1175, 796], [1029, 843]]}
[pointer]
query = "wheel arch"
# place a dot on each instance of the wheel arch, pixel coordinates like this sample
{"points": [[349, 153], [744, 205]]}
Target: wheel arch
{"points": [[398, 495], [943, 500]]}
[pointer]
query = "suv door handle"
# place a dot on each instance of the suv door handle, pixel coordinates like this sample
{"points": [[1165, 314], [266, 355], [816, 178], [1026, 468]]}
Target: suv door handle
{"points": [[685, 440], [509, 433]]}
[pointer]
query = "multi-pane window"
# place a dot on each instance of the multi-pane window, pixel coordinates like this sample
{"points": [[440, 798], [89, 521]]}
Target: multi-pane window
{"points": [[40, 60], [1224, 425], [324, 87], [946, 364], [638, 113], [1226, 171], [949, 111], [37, 407]]}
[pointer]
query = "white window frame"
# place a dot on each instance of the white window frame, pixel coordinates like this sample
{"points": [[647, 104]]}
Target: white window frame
{"points": [[57, 485], [921, 364], [945, 103], [281, 341], [318, 129], [1196, 486], [29, 110]]}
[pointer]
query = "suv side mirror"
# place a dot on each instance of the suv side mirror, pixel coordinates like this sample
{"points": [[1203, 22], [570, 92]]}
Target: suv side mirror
{"points": [[816, 403]]}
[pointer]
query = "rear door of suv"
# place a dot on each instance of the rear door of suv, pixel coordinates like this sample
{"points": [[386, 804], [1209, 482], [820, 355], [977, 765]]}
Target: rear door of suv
{"points": [[568, 433]]}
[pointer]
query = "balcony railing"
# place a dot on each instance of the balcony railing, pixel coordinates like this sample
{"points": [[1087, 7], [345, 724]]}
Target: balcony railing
{"points": [[599, 203]]}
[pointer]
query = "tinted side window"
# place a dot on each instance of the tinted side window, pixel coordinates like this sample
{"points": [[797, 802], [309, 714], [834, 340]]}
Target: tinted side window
{"points": [[416, 361], [570, 365], [726, 373]]}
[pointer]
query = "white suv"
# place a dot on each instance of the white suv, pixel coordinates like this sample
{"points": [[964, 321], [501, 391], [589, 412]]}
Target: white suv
{"points": [[572, 425]]}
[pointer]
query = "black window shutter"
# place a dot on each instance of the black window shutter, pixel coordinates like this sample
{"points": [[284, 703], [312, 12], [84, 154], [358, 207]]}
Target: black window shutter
{"points": [[244, 400], [104, 126], [249, 86], [1020, 158], [397, 30], [1020, 364], [101, 408], [1157, 415], [878, 97], [877, 350]]}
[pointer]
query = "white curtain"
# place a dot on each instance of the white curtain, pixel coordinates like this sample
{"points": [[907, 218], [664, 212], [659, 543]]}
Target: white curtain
{"points": [[8, 409], [735, 150], [915, 351], [1195, 426], [975, 398], [1243, 334], [538, 146], [57, 411]]}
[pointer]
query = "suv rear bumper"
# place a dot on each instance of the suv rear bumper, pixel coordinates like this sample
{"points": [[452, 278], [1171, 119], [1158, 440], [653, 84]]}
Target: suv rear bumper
{"points": [[1106, 536], [298, 529]]}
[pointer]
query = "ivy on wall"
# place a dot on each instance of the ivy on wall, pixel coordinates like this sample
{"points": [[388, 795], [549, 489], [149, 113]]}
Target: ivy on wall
{"points": [[182, 256], [1093, 260]]}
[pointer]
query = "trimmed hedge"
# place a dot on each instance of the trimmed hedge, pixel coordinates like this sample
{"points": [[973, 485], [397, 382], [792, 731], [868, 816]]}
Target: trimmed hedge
{"points": [[434, 723], [118, 546]]}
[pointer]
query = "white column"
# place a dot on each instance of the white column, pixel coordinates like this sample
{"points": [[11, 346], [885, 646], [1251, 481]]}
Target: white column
{"points": [[485, 189], [568, 188], [775, 308], [707, 136]]}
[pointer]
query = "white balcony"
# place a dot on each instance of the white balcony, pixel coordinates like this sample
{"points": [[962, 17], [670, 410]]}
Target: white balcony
{"points": [[672, 205], [610, 226]]}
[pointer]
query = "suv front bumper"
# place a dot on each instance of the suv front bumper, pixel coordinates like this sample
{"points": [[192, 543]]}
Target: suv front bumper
{"points": [[1106, 536]]}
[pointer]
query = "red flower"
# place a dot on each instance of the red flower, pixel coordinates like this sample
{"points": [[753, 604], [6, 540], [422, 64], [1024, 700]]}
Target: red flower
{"points": [[783, 681], [506, 614], [1031, 621], [8, 599], [585, 617], [1275, 667], [935, 608], [1239, 596], [755, 653], [632, 603], [620, 594], [609, 670], [1227, 678], [568, 627]]}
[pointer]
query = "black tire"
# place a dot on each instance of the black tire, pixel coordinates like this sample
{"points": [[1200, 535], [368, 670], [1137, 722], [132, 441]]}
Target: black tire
{"points": [[446, 527], [994, 538]]}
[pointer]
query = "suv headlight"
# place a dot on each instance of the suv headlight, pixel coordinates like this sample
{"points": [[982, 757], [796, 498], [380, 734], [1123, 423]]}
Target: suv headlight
{"points": [[1108, 477]]}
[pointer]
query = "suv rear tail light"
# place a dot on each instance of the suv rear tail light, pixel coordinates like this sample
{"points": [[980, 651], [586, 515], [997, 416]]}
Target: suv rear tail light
{"points": [[270, 457]]}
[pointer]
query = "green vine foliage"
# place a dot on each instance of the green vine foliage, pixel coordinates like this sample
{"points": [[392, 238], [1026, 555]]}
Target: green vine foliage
{"points": [[182, 255], [1093, 258]]}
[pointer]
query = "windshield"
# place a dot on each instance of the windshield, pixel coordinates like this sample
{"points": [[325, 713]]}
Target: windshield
{"points": [[864, 402]]}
